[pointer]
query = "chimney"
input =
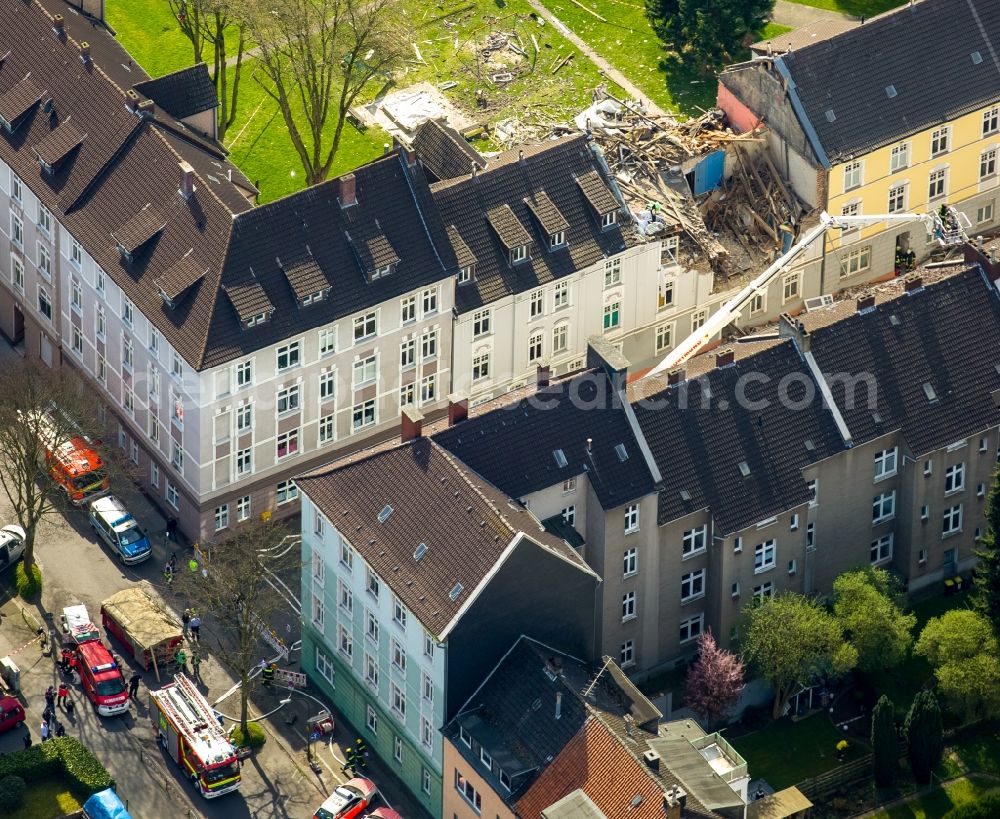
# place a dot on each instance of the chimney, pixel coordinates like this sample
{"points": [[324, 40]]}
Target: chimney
{"points": [[147, 108], [85, 51], [187, 179], [913, 283], [411, 424], [865, 303], [348, 191], [652, 760], [724, 358], [132, 100], [675, 376], [411, 157], [520, 155], [475, 170], [558, 704], [544, 373], [458, 409], [993, 254], [59, 25], [979, 242], [590, 442]]}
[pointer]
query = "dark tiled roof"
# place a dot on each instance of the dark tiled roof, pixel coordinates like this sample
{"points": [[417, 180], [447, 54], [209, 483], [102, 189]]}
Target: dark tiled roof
{"points": [[508, 229], [848, 74], [373, 248], [463, 255], [61, 140], [699, 450], [547, 214], [139, 229], [598, 194], [304, 275], [444, 152], [183, 93], [247, 297], [178, 279], [515, 447], [465, 523], [17, 100], [553, 167], [942, 335]]}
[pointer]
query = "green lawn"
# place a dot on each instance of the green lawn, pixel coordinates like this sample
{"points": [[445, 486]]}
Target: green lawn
{"points": [[151, 34], [978, 751], [47, 799], [858, 8], [785, 752], [938, 802]]}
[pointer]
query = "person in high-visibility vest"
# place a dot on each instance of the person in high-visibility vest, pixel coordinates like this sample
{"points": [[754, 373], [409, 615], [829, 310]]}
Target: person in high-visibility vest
{"points": [[362, 752], [267, 675]]}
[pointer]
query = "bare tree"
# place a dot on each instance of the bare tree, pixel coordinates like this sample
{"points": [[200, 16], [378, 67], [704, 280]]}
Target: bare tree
{"points": [[234, 587], [40, 410], [208, 23], [317, 56]]}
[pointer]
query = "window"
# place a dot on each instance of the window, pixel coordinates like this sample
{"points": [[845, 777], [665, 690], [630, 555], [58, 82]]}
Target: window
{"points": [[371, 626], [535, 347], [954, 478], [327, 428], [793, 523], [345, 597], [518, 254], [244, 374], [665, 297], [426, 732], [480, 323], [398, 612], [44, 219], [758, 303], [984, 213], [569, 515], [128, 311], [627, 654], [76, 295], [939, 141], [664, 337], [176, 365], [810, 535], [560, 339], [408, 353], [288, 443], [560, 295], [16, 230], [288, 400], [692, 585], [365, 371], [371, 670], [925, 512], [425, 781], [855, 261], [173, 498], [244, 418], [324, 665], [465, 274], [884, 506], [790, 286], [631, 518], [327, 341], [102, 368], [928, 467], [128, 402], [937, 183], [287, 491], [44, 303], [363, 415], [698, 319], [988, 163], [885, 463], [429, 300], [77, 341], [691, 628], [428, 344], [557, 239], [694, 541], [398, 699], [612, 313], [243, 509], [468, 792], [397, 749], [628, 606], [762, 592], [372, 582], [764, 556], [630, 563], [76, 254], [345, 642], [897, 198], [852, 175], [127, 359], [318, 611], [288, 356], [991, 121], [899, 157], [536, 304], [408, 310], [737, 545], [45, 260], [365, 326], [154, 474], [17, 273], [371, 719], [244, 461], [952, 522], [981, 490], [346, 556], [176, 456], [428, 644], [398, 656], [16, 189], [221, 517], [428, 389], [407, 395], [612, 272], [881, 550]]}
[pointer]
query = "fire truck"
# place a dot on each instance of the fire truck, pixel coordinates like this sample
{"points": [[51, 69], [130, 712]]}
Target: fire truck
{"points": [[73, 462], [188, 728]]}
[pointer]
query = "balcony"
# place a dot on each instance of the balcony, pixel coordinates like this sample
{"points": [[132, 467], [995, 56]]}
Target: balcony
{"points": [[721, 756]]}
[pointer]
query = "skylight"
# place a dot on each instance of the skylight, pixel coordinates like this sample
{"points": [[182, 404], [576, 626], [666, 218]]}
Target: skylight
{"points": [[383, 516], [830, 116], [420, 551], [977, 58], [744, 469], [890, 91], [621, 452], [685, 495], [560, 457], [929, 392], [456, 590], [810, 446]]}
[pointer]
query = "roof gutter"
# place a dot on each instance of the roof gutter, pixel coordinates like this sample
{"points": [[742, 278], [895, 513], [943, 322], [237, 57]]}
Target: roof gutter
{"points": [[800, 113]]}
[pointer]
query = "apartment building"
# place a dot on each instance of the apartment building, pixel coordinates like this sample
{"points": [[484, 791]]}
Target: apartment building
{"points": [[417, 575], [863, 123], [545, 733]]}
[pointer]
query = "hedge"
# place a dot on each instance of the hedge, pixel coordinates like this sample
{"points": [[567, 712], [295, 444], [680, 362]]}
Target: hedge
{"points": [[256, 737], [28, 588], [62, 756], [986, 807], [12, 790]]}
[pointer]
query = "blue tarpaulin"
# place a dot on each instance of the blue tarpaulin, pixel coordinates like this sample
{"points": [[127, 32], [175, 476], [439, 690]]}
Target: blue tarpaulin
{"points": [[708, 172], [105, 805]]}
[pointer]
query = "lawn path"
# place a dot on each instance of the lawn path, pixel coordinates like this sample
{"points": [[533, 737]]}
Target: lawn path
{"points": [[609, 70]]}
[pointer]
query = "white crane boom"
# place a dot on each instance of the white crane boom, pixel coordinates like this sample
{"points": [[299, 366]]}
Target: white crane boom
{"points": [[947, 234]]}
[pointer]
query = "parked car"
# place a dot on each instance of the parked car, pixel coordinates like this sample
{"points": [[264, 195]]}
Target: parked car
{"points": [[383, 813], [348, 801], [113, 524], [11, 545], [11, 714]]}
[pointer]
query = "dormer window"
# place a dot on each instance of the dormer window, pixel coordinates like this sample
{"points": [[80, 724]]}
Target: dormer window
{"points": [[387, 270], [312, 298], [465, 274], [557, 239], [518, 254], [609, 219], [260, 318]]}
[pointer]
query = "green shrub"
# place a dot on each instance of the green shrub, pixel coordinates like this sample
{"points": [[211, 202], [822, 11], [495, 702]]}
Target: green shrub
{"points": [[28, 588], [986, 807], [30, 764], [256, 737], [63, 756], [12, 790]]}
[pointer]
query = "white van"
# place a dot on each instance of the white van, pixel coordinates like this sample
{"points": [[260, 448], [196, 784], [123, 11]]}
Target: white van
{"points": [[11, 545]]}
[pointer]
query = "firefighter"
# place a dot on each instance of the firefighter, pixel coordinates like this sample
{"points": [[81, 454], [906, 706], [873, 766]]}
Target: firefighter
{"points": [[362, 752], [351, 761], [267, 675]]}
